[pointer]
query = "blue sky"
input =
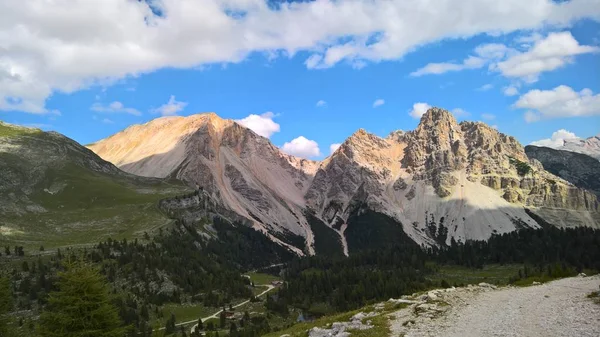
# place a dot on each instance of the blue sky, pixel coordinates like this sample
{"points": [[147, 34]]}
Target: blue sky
{"points": [[552, 68]]}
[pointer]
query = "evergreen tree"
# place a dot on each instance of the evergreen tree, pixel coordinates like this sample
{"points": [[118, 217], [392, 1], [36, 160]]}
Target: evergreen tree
{"points": [[5, 306], [222, 319], [81, 307]]}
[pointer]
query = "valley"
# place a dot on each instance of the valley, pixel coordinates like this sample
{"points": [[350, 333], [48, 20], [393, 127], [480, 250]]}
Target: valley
{"points": [[178, 215]]}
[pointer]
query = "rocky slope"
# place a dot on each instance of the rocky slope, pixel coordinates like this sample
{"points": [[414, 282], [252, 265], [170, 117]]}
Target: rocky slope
{"points": [[236, 167], [580, 169], [443, 180], [589, 146], [56, 192], [467, 177]]}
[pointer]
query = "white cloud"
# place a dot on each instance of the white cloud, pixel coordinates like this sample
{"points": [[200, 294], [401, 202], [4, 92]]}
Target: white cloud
{"points": [[511, 90], [172, 107], [419, 109], [557, 139], [561, 101], [261, 124], [471, 62], [550, 53], [533, 37], [488, 117], [378, 102], [67, 45], [115, 107], [302, 147], [107, 121], [547, 54], [321, 103], [459, 113], [485, 87], [333, 147]]}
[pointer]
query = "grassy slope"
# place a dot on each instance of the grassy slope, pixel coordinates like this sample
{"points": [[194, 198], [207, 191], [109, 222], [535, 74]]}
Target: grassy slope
{"points": [[85, 207]]}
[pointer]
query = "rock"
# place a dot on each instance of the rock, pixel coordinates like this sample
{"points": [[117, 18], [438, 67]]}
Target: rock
{"points": [[411, 193], [399, 185], [432, 295], [582, 275], [487, 285], [535, 283]]}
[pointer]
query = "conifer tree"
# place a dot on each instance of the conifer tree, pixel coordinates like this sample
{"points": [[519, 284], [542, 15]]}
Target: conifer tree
{"points": [[81, 307], [5, 306]]}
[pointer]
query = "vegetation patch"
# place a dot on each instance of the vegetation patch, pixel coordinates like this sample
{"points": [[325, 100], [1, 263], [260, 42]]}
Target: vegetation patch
{"points": [[372, 230], [327, 241], [522, 168]]}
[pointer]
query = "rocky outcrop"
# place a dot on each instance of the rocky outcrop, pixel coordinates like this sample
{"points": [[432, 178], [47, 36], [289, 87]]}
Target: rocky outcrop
{"points": [[579, 169]]}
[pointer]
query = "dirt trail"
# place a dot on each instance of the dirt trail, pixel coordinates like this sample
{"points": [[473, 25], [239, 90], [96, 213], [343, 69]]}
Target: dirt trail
{"points": [[558, 308]]}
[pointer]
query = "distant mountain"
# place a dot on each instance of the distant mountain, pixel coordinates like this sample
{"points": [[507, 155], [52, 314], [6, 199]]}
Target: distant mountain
{"points": [[55, 192], [441, 181], [580, 169], [589, 146]]}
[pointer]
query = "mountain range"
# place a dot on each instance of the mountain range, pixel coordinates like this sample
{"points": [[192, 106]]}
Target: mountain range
{"points": [[442, 181], [589, 146]]}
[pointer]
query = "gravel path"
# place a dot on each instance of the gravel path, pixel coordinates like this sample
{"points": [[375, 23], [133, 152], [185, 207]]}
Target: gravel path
{"points": [[558, 308]]}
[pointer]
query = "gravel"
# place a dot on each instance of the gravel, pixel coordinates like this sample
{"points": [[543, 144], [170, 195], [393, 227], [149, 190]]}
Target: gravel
{"points": [[558, 308]]}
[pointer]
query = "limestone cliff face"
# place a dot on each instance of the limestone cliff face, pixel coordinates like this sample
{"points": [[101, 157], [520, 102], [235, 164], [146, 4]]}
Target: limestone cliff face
{"points": [[233, 165], [474, 177], [469, 177], [579, 169]]}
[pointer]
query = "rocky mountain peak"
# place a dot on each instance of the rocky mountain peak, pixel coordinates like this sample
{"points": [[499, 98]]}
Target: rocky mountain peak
{"points": [[436, 117]]}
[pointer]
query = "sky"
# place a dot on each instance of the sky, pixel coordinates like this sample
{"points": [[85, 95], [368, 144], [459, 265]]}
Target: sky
{"points": [[304, 74]]}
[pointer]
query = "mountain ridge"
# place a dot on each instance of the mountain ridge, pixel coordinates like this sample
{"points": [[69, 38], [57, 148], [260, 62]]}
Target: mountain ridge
{"points": [[55, 192], [465, 176]]}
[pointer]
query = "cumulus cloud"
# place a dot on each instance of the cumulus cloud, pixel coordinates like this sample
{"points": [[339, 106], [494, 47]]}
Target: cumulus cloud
{"points": [[488, 117], [261, 124], [471, 62], [557, 139], [333, 147], [510, 90], [68, 45], [321, 103], [378, 102], [546, 54], [561, 101], [172, 107], [419, 109], [302, 147], [115, 107], [550, 53], [485, 87]]}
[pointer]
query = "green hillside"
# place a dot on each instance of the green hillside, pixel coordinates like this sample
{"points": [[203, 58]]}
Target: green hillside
{"points": [[55, 192]]}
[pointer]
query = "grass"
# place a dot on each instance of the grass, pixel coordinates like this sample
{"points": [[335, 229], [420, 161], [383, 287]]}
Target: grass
{"points": [[381, 326], [11, 131], [185, 312], [262, 279], [89, 207]]}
